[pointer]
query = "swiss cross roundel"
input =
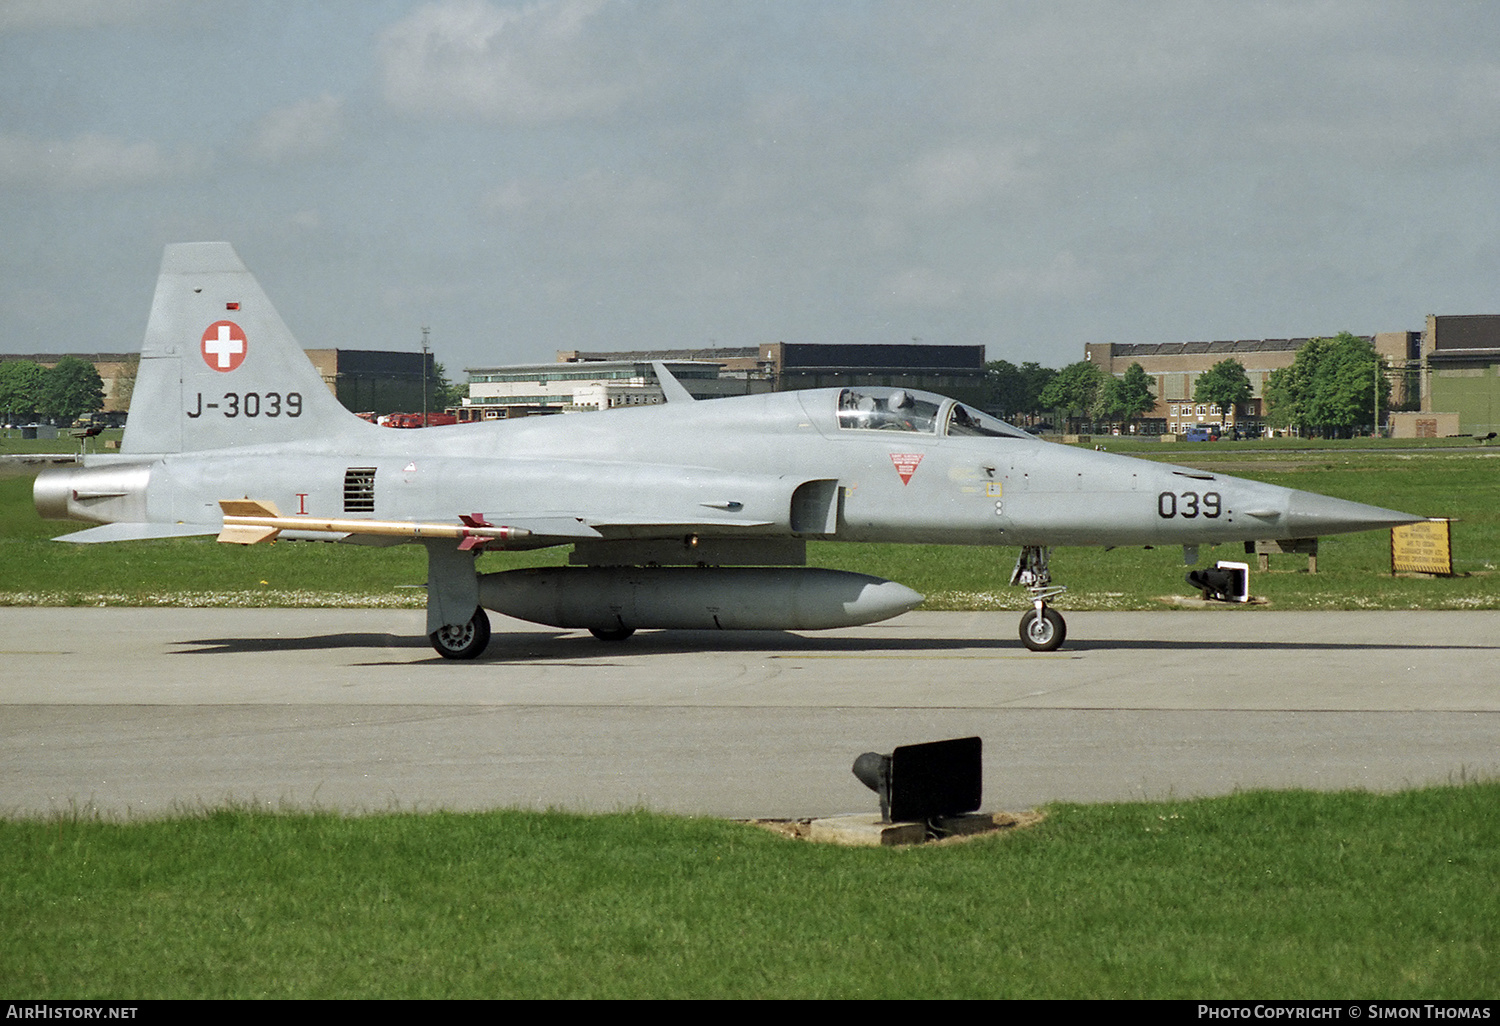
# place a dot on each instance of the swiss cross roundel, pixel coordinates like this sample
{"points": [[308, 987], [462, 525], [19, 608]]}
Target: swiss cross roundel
{"points": [[224, 346]]}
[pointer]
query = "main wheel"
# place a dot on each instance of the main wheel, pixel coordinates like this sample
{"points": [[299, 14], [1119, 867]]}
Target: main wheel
{"points": [[464, 641], [611, 633], [1045, 633]]}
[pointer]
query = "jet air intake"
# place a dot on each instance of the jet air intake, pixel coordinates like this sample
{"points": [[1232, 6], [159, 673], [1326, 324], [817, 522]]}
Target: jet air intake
{"points": [[612, 599]]}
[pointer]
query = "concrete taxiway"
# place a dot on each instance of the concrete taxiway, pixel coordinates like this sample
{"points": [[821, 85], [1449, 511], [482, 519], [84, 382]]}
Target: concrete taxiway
{"points": [[143, 711]]}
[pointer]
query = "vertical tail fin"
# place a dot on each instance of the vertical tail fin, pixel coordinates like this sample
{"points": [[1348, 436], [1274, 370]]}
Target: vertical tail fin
{"points": [[219, 368]]}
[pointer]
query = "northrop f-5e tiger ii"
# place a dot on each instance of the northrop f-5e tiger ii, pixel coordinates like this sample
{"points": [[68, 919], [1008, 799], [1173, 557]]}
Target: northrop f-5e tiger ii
{"points": [[688, 514]]}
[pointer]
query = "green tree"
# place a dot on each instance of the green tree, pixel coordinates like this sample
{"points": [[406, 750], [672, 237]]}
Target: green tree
{"points": [[71, 388], [1004, 388], [21, 389], [1225, 384], [1330, 388], [1289, 389], [1129, 397], [1076, 390], [1012, 391], [1344, 387], [443, 393], [1109, 404]]}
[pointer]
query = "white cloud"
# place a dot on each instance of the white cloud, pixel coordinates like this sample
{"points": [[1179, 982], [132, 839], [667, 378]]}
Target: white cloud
{"points": [[306, 221], [921, 286], [30, 14], [1163, 85], [588, 195], [951, 180], [1063, 276], [548, 61], [309, 129], [88, 162], [508, 200], [597, 211]]}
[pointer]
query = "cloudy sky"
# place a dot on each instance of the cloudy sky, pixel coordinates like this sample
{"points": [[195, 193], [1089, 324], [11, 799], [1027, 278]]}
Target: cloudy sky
{"points": [[528, 176]]}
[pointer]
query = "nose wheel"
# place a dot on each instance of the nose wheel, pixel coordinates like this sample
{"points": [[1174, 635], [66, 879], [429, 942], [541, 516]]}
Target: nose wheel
{"points": [[1042, 628]]}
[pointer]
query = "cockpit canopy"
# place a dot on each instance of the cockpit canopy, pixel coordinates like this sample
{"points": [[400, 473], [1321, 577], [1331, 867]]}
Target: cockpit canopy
{"points": [[905, 409]]}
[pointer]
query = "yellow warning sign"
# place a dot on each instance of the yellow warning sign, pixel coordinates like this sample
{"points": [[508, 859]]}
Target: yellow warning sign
{"points": [[1424, 548]]}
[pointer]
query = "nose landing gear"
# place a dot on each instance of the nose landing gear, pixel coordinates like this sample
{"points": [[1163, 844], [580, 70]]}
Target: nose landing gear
{"points": [[1042, 628]]}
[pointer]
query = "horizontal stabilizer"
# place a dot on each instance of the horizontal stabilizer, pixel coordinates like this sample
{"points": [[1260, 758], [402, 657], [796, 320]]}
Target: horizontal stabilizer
{"points": [[137, 532]]}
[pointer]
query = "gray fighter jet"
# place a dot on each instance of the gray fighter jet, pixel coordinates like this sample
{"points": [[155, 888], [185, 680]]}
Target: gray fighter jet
{"points": [[682, 515]]}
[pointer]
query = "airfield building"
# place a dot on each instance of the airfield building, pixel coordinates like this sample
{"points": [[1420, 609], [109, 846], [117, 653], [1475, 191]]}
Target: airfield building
{"points": [[375, 380], [539, 388], [1453, 366], [116, 374], [1461, 357], [602, 380], [362, 379], [1175, 367], [956, 371]]}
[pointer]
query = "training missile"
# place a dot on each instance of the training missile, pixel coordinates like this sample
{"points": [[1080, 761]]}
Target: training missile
{"points": [[249, 521], [694, 598]]}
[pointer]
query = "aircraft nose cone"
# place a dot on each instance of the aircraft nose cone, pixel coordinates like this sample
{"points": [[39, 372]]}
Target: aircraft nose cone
{"points": [[1310, 514]]}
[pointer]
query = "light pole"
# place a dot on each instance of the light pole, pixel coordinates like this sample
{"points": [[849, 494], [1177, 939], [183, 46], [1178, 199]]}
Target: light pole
{"points": [[424, 376]]}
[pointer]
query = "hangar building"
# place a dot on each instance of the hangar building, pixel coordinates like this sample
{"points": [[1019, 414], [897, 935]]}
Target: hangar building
{"points": [[600, 380], [1461, 355], [1175, 367], [375, 380], [116, 374]]}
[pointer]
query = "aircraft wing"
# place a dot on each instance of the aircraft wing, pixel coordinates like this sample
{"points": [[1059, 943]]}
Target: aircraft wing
{"points": [[634, 523], [563, 528], [247, 522], [137, 532], [250, 521], [585, 527], [552, 527]]}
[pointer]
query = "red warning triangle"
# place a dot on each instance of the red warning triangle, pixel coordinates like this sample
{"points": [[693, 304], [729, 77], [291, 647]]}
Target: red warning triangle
{"points": [[906, 464]]}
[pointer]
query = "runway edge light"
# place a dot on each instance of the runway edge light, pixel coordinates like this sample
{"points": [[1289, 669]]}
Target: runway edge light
{"points": [[925, 782]]}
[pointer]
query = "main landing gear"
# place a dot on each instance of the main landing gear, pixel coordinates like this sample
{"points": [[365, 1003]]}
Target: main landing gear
{"points": [[619, 633], [465, 640], [1042, 628]]}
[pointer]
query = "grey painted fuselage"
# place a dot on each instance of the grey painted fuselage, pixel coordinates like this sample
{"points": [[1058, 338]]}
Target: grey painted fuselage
{"points": [[731, 466]]}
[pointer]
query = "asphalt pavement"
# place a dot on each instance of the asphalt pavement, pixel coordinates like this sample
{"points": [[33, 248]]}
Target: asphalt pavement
{"points": [[141, 712]]}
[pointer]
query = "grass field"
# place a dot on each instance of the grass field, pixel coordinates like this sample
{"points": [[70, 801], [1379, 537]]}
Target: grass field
{"points": [[1259, 895], [1439, 479], [12, 444]]}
